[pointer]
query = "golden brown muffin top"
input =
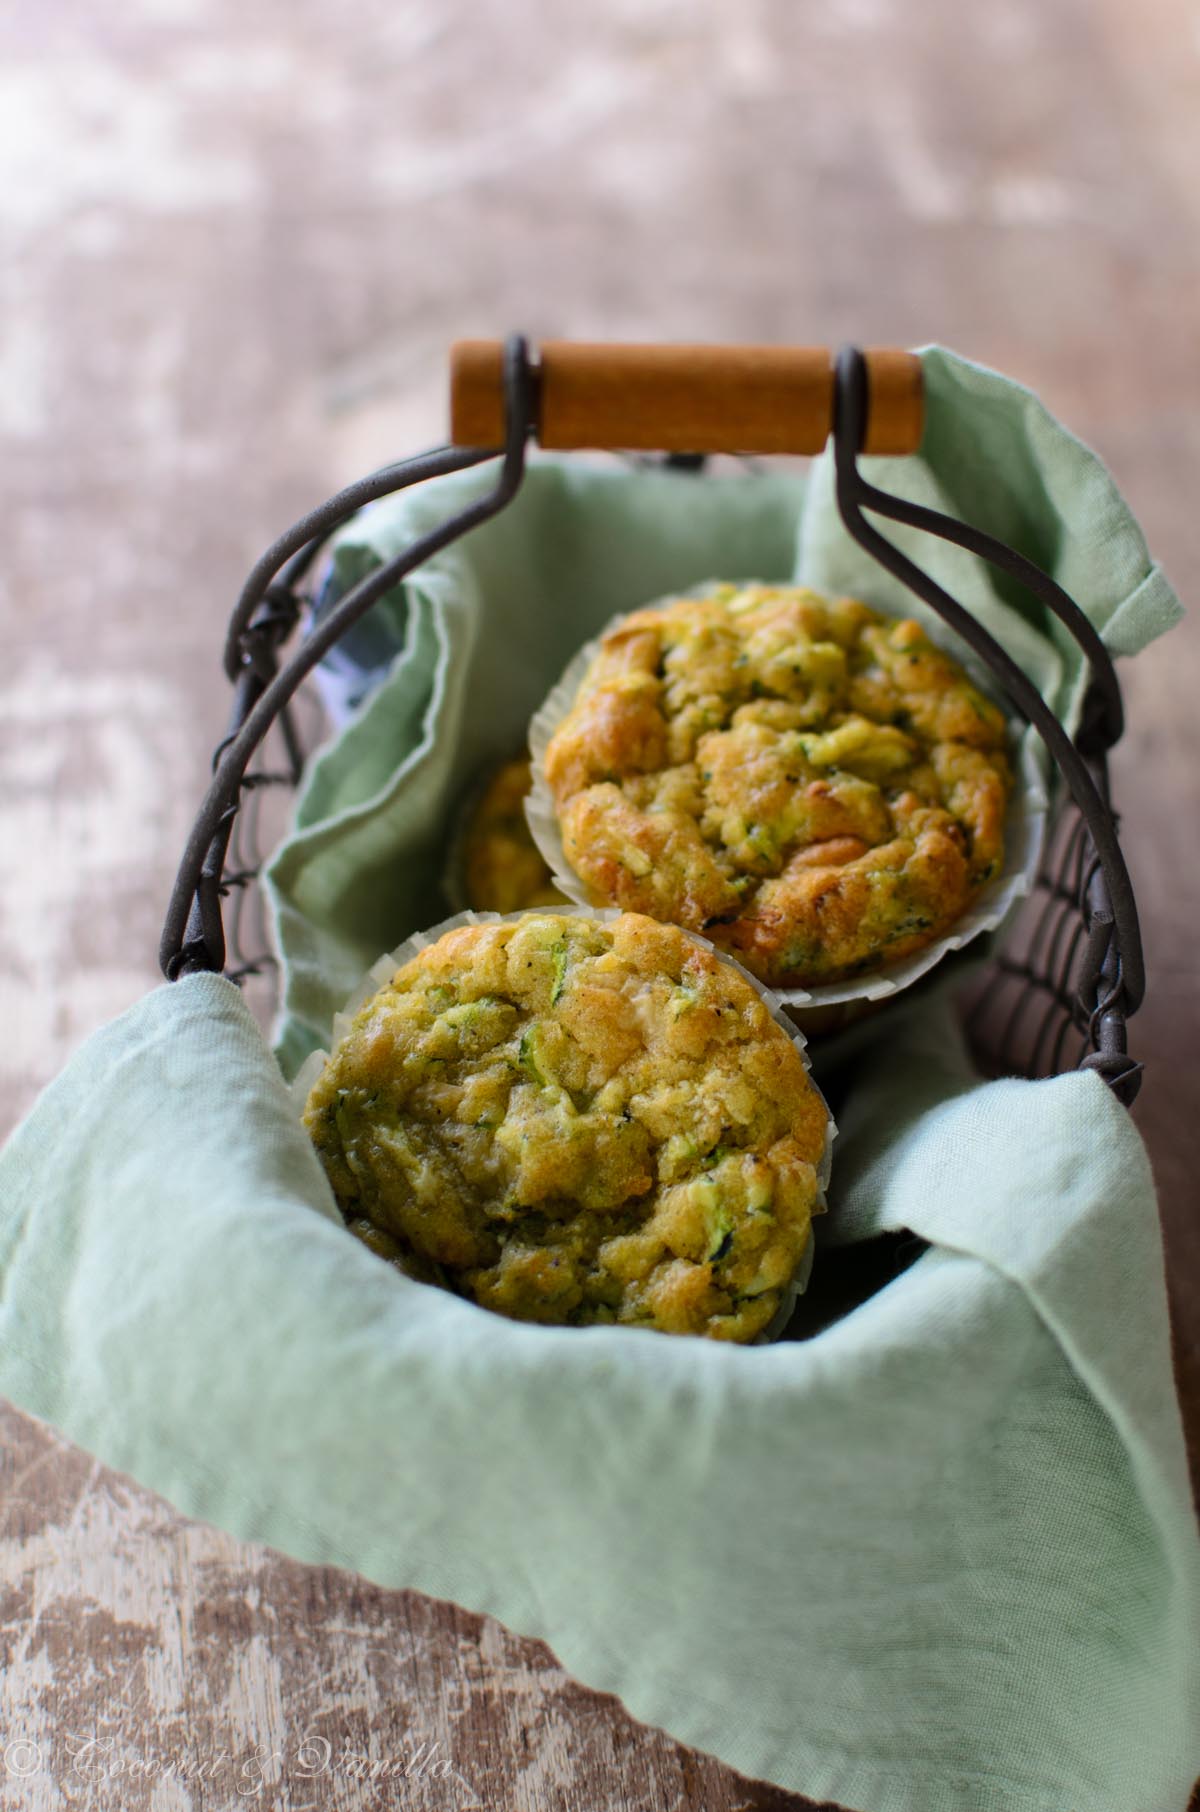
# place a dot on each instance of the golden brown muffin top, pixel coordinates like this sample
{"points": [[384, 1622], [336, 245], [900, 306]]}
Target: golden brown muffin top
{"points": [[814, 785], [577, 1121], [503, 870]]}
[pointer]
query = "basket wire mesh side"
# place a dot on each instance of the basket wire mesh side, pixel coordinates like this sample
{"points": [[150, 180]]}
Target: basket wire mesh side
{"points": [[259, 826], [1039, 1008], [1056, 993]]}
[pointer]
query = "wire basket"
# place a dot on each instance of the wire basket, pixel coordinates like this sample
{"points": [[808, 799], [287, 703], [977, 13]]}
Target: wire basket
{"points": [[1056, 995]]}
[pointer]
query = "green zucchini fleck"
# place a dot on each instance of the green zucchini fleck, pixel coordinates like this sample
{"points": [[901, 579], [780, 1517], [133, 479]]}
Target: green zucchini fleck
{"points": [[562, 962], [532, 1058], [466, 1013], [718, 1218]]}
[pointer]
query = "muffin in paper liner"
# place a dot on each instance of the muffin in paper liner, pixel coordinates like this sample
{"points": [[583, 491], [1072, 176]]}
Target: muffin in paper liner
{"points": [[526, 890], [826, 1006], [383, 970]]}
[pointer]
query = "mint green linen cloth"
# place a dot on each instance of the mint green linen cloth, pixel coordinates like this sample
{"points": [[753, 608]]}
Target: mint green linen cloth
{"points": [[938, 1556]]}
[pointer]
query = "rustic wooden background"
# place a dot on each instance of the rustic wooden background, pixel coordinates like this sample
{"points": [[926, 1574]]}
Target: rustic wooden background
{"points": [[234, 244]]}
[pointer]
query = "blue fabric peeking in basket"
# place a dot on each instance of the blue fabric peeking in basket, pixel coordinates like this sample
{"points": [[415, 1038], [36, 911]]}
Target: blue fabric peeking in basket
{"points": [[936, 1556]]}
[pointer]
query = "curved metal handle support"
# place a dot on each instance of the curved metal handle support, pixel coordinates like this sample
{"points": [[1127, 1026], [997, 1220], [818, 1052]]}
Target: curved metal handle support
{"points": [[854, 494], [193, 937], [1106, 717]]}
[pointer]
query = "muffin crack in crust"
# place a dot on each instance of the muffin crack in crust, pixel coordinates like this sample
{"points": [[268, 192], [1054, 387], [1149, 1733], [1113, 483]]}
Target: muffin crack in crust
{"points": [[815, 786], [577, 1121]]}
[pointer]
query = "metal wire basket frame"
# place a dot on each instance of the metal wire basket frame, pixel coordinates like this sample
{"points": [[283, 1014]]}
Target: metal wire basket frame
{"points": [[1058, 993]]}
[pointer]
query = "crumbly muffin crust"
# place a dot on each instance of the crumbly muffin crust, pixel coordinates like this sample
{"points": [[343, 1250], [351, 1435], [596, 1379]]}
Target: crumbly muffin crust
{"points": [[503, 869], [815, 786], [577, 1121]]}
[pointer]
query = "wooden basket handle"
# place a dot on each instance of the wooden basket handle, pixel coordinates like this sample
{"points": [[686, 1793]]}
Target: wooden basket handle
{"points": [[685, 399]]}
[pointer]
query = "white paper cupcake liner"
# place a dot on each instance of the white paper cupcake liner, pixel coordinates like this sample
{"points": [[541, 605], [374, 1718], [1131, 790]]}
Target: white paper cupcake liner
{"points": [[1024, 834], [382, 971]]}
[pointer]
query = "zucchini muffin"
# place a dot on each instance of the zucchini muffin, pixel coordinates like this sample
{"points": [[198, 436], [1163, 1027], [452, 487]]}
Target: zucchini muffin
{"points": [[578, 1120], [814, 785], [502, 868]]}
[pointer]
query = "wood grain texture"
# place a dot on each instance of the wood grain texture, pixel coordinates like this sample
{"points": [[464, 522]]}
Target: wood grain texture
{"points": [[191, 1671], [235, 245], [684, 399]]}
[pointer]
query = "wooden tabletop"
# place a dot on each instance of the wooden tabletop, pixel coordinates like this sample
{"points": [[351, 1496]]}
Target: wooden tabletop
{"points": [[235, 243]]}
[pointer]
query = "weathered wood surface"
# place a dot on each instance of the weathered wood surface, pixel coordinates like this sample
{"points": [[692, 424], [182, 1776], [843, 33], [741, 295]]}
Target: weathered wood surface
{"points": [[234, 245]]}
